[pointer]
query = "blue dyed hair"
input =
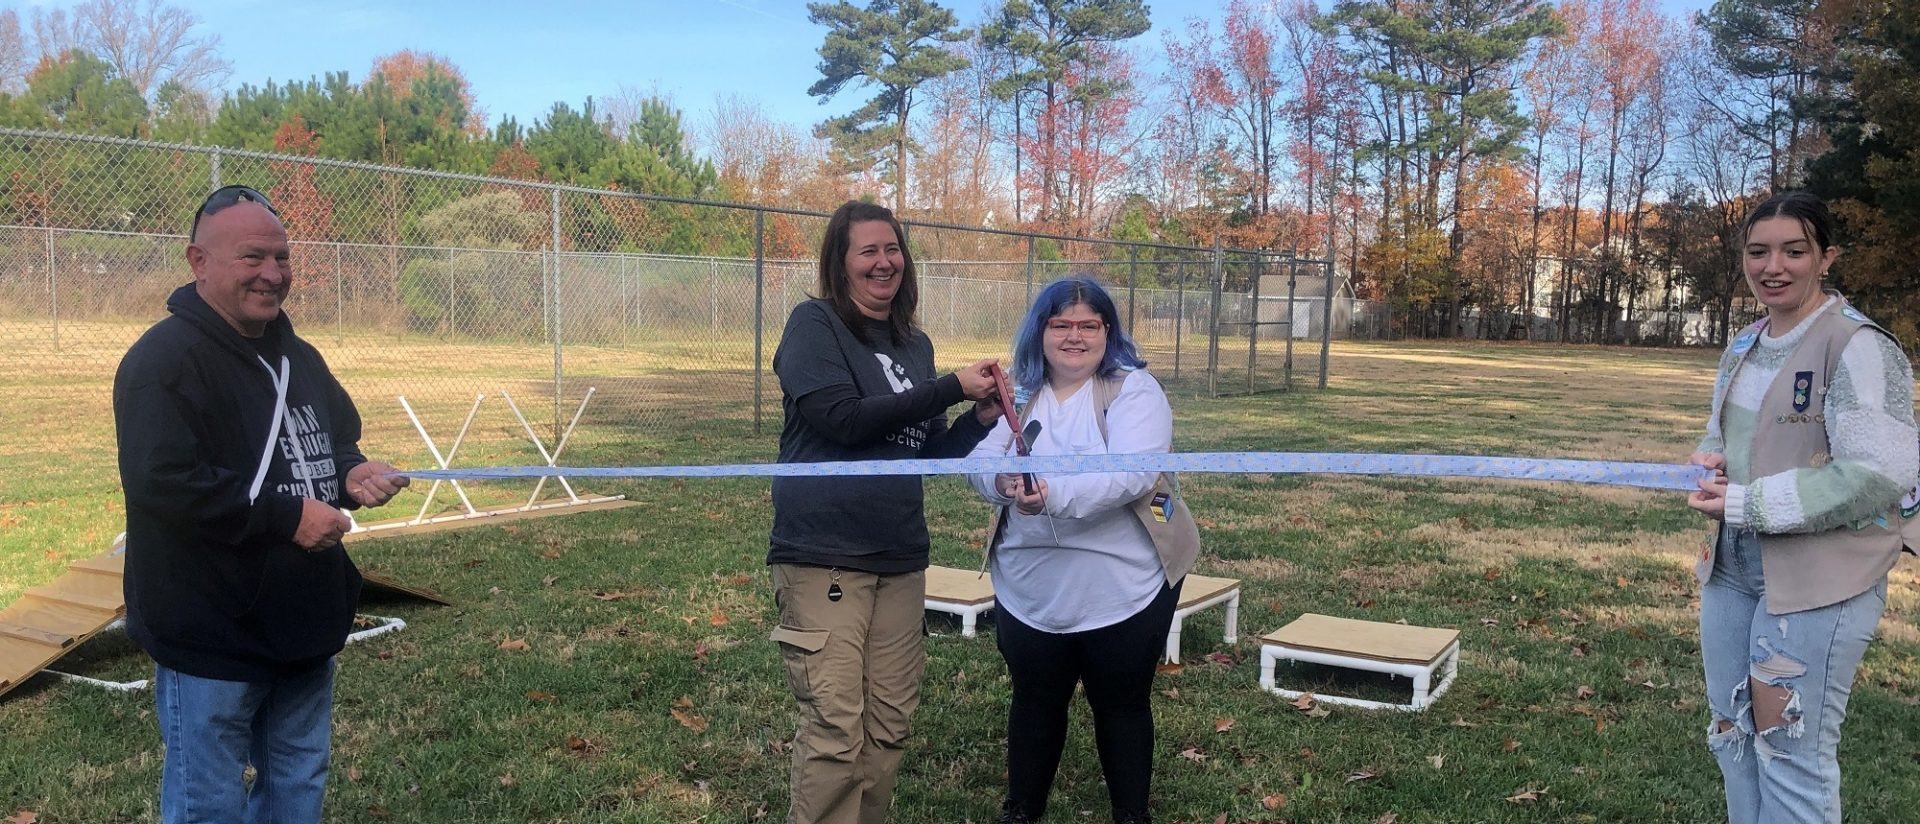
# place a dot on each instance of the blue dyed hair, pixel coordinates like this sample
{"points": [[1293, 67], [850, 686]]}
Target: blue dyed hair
{"points": [[1029, 347]]}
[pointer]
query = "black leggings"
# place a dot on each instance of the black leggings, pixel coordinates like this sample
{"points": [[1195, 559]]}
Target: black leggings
{"points": [[1116, 663]]}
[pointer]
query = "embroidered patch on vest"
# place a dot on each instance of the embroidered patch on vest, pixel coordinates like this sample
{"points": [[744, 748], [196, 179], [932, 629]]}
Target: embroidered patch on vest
{"points": [[1802, 390], [1745, 341], [1910, 505], [1819, 459], [1853, 314], [1159, 506]]}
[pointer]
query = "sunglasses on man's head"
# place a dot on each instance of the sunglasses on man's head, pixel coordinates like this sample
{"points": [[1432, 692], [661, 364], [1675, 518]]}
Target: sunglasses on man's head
{"points": [[224, 197]]}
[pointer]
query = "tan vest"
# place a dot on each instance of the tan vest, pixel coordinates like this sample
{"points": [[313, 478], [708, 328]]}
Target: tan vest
{"points": [[1810, 571]]}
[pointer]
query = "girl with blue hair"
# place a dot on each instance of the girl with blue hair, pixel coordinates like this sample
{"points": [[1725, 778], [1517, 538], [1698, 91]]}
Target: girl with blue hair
{"points": [[1083, 596]]}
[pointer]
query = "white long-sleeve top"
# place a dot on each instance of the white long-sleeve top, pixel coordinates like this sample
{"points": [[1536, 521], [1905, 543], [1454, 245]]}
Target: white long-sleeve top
{"points": [[1086, 562]]}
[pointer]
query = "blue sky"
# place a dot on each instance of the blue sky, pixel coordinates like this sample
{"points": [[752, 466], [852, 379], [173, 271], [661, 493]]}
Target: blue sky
{"points": [[521, 57]]}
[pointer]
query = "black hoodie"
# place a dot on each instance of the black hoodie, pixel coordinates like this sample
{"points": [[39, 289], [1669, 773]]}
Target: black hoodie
{"points": [[215, 586]]}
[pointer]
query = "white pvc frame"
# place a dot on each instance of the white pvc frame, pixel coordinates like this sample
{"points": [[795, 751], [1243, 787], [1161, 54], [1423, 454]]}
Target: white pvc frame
{"points": [[1231, 598], [387, 625], [969, 613], [445, 461], [1422, 675]]}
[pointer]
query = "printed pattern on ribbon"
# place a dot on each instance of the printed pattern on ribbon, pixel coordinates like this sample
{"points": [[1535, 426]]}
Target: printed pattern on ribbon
{"points": [[1683, 477]]}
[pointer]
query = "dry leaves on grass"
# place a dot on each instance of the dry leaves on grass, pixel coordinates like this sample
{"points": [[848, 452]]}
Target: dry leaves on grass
{"points": [[541, 695], [1438, 761], [1222, 724], [718, 619], [1310, 706], [1526, 796], [1194, 754], [578, 744], [1583, 692], [683, 713], [610, 596], [1387, 818], [515, 645], [1276, 801], [1361, 775], [23, 817], [1170, 669], [1509, 745]]}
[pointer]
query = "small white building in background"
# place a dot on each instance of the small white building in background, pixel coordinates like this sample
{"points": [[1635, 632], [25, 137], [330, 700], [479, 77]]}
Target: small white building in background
{"points": [[1307, 312]]}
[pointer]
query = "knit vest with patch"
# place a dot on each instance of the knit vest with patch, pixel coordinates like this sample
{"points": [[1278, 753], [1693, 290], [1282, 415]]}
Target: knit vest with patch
{"points": [[1813, 570]]}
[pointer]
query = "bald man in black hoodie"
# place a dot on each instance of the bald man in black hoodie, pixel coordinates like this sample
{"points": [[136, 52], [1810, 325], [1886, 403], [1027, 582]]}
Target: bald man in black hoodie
{"points": [[238, 454]]}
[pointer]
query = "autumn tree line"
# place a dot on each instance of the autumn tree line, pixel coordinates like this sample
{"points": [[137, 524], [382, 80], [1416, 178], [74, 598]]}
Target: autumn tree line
{"points": [[1576, 168]]}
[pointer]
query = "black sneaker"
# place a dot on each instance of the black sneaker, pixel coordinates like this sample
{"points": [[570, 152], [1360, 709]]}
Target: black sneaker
{"points": [[1010, 815]]}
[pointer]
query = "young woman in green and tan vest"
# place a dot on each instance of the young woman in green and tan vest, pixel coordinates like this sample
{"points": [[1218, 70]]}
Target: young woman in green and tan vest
{"points": [[1814, 456]]}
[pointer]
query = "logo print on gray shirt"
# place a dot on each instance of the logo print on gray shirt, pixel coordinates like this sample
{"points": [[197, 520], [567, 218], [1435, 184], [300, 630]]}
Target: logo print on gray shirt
{"points": [[896, 374]]}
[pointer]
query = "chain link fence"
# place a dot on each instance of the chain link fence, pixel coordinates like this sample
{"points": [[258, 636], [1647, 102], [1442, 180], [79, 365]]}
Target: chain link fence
{"points": [[441, 287]]}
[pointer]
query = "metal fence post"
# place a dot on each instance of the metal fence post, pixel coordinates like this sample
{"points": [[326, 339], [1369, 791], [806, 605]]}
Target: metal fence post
{"points": [[1179, 310], [1217, 283], [759, 310], [450, 292], [1326, 323], [1029, 269], [213, 169], [1253, 326], [558, 345], [53, 288], [340, 299], [1293, 271], [1133, 278]]}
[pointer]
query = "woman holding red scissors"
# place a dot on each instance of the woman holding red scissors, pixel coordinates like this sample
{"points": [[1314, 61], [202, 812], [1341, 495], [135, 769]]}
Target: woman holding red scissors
{"points": [[1082, 594]]}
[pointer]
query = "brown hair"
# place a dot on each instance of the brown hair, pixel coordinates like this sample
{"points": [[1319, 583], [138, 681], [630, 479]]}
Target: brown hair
{"points": [[833, 283], [1811, 211]]}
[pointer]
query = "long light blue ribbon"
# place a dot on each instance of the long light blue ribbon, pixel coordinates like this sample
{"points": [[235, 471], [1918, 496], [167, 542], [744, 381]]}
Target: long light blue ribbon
{"points": [[1614, 473]]}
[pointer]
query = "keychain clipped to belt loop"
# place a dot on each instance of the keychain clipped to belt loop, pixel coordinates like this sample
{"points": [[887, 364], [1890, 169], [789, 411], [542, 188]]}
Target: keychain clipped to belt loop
{"points": [[833, 590]]}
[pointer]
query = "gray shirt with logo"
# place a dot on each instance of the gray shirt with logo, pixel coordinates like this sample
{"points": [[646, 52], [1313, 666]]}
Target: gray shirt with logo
{"points": [[848, 399]]}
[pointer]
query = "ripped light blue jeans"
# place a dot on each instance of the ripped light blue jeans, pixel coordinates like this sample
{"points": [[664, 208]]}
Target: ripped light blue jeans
{"points": [[1790, 771]]}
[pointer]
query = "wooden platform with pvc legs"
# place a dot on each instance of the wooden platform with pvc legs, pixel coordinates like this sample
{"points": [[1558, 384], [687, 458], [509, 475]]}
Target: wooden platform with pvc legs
{"points": [[1431, 657]]}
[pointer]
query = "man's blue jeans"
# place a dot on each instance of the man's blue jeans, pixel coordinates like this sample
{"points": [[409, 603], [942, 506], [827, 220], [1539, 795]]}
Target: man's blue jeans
{"points": [[1788, 772], [213, 729]]}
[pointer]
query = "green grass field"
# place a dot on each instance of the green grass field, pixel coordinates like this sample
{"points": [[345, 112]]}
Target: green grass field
{"points": [[615, 666]]}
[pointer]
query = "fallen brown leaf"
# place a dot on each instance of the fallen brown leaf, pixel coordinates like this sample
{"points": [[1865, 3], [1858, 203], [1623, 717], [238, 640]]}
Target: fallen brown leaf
{"points": [[1305, 701], [1437, 761], [514, 645], [1194, 754], [1509, 745], [548, 581], [609, 596], [1361, 775], [1220, 819], [353, 773], [1583, 692], [1274, 802], [578, 744], [718, 619], [1526, 795], [378, 811], [1171, 692], [23, 817], [1170, 669], [507, 780], [1222, 724], [1387, 818], [539, 695], [690, 719]]}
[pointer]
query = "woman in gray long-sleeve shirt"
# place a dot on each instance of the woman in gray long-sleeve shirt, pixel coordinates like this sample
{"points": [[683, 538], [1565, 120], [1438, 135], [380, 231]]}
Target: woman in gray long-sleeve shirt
{"points": [[849, 554]]}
